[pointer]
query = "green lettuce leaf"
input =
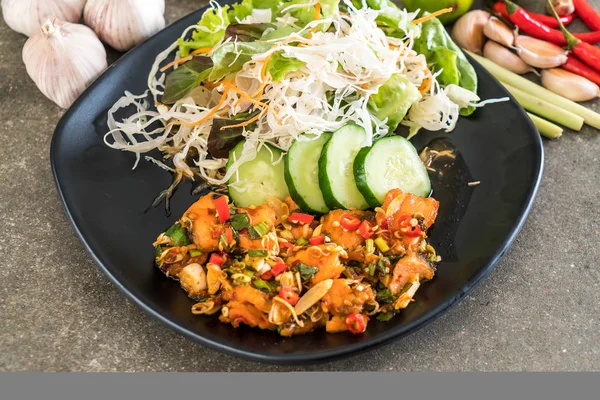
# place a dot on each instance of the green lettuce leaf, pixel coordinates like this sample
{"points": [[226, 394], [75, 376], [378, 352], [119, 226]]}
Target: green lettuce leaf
{"points": [[439, 50], [279, 65], [214, 29], [393, 100], [227, 61], [246, 32], [188, 76]]}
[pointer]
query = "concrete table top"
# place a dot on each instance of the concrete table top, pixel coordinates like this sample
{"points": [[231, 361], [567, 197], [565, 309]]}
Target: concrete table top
{"points": [[539, 309]]}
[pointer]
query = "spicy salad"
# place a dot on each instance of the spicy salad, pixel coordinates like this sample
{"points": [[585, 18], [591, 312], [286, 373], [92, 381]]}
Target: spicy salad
{"points": [[286, 113]]}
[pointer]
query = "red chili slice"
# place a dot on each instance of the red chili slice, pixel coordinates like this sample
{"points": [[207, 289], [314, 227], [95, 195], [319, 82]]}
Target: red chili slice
{"points": [[216, 259], [289, 295], [317, 240], [366, 229], [414, 232], [228, 235], [356, 323], [349, 222], [278, 269], [222, 206], [267, 276], [297, 218]]}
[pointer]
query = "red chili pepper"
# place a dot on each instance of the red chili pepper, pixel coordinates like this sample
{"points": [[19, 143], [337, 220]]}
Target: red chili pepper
{"points": [[222, 206], [585, 52], [413, 232], [403, 221], [317, 240], [518, 16], [286, 244], [297, 218], [349, 222], [289, 295], [577, 67], [356, 323], [547, 20], [278, 269], [385, 224], [588, 14], [228, 235], [267, 276], [366, 229], [216, 259]]}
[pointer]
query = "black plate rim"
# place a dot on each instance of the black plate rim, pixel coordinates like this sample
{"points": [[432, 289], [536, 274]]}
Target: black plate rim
{"points": [[326, 355]]}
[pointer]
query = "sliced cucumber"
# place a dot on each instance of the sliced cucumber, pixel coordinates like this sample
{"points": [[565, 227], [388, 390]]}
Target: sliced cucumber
{"points": [[392, 162], [258, 179], [302, 173], [336, 177]]}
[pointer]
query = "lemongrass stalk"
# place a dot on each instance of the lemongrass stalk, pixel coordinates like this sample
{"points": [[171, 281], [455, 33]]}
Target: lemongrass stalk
{"points": [[591, 118], [545, 128], [546, 110]]}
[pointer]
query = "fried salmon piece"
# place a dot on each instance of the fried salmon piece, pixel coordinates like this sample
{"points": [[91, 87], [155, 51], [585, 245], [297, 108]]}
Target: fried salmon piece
{"points": [[349, 240], [248, 294], [336, 324], [398, 204], [407, 268], [244, 313], [201, 221], [344, 298], [324, 257]]}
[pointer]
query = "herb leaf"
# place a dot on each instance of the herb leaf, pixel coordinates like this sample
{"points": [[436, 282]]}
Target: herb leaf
{"points": [[240, 221], [178, 235], [221, 142], [279, 65], [188, 76], [306, 271], [385, 296], [259, 230]]}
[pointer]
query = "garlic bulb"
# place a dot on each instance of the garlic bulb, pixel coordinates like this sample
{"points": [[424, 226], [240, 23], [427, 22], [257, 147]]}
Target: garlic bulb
{"points": [[505, 58], [569, 85], [539, 53], [468, 30], [562, 7], [26, 16], [124, 23], [497, 31], [63, 59]]}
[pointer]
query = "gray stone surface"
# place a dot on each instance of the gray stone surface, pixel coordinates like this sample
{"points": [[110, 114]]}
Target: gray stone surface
{"points": [[539, 310]]}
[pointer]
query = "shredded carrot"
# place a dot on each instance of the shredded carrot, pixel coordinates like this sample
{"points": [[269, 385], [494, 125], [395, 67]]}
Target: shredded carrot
{"points": [[316, 18], [201, 50], [433, 15], [263, 77], [245, 123], [176, 62], [245, 95], [210, 113], [426, 85]]}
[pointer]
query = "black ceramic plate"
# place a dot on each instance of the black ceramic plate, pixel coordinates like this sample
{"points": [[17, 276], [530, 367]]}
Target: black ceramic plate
{"points": [[105, 201]]}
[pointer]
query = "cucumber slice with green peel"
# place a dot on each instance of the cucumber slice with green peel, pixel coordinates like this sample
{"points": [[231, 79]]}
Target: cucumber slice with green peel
{"points": [[336, 175], [302, 173], [257, 179], [391, 163]]}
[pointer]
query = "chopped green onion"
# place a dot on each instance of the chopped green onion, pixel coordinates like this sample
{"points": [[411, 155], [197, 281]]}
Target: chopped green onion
{"points": [[248, 272], [260, 230], [258, 253], [195, 253], [384, 269], [385, 296], [178, 235], [306, 271], [240, 221], [386, 316], [262, 285], [370, 246], [382, 244], [371, 269], [301, 241]]}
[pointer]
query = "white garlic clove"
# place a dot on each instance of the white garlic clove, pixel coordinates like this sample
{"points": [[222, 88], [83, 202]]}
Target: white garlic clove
{"points": [[539, 53], [468, 30], [123, 24], [562, 7], [63, 59], [497, 31], [27, 16], [569, 85], [505, 58]]}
